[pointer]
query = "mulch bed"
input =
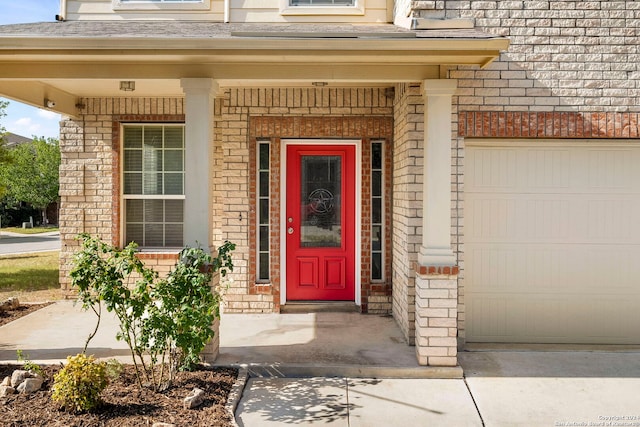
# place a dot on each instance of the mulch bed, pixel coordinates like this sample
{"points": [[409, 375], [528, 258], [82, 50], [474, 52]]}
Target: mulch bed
{"points": [[125, 404], [22, 310]]}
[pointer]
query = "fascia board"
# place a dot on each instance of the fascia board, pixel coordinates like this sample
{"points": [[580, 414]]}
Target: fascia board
{"points": [[125, 44]]}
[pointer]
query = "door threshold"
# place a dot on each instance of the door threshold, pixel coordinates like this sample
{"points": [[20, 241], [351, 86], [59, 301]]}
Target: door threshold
{"points": [[297, 307]]}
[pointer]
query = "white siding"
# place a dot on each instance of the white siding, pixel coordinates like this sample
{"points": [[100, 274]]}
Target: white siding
{"points": [[78, 10], [269, 11], [240, 11], [553, 244]]}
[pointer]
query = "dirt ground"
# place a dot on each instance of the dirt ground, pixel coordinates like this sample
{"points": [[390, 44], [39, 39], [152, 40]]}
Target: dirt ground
{"points": [[23, 310], [125, 404]]}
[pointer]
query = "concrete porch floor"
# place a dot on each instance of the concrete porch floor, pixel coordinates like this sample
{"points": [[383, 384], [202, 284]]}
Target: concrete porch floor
{"points": [[321, 344], [308, 344]]}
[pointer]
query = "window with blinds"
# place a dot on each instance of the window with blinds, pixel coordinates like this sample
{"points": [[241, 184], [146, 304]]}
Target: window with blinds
{"points": [[153, 185], [321, 2]]}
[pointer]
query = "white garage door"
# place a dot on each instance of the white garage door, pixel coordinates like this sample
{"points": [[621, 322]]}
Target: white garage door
{"points": [[552, 243]]}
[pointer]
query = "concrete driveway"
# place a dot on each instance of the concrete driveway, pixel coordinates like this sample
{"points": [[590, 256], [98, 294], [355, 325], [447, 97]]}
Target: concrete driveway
{"points": [[13, 243]]}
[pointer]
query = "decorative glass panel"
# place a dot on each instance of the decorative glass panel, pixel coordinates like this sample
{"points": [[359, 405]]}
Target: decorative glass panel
{"points": [[377, 211], [321, 210], [263, 190]]}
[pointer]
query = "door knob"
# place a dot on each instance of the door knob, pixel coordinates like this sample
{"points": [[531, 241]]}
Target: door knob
{"points": [[290, 230]]}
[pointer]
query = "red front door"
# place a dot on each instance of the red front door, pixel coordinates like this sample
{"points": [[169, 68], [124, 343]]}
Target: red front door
{"points": [[320, 222]]}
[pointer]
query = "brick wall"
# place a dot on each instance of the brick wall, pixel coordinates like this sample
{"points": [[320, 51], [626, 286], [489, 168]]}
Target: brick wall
{"points": [[564, 56], [407, 202], [89, 187], [572, 71], [245, 115]]}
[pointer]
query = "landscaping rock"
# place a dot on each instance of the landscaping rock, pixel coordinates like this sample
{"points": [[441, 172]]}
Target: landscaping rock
{"points": [[194, 399], [30, 385], [19, 376], [25, 381], [9, 304], [6, 390], [6, 381]]}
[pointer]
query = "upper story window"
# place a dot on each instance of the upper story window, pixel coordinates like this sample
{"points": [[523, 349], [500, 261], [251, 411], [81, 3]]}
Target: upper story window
{"points": [[161, 4], [322, 7], [321, 2]]}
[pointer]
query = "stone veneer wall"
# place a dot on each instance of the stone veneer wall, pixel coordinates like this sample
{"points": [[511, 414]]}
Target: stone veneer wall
{"points": [[244, 115], [89, 178]]}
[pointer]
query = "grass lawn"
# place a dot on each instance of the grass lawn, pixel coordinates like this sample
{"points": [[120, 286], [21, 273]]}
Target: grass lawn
{"points": [[30, 277], [34, 230]]}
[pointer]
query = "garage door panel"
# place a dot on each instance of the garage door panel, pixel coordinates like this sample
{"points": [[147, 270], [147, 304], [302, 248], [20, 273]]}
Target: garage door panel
{"points": [[536, 319], [552, 244], [553, 218], [553, 170], [553, 268]]}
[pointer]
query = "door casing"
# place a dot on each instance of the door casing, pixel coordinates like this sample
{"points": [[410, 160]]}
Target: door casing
{"points": [[283, 212]]}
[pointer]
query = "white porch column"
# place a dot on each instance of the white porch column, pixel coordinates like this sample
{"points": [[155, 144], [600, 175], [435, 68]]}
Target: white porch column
{"points": [[436, 284], [198, 106], [436, 204]]}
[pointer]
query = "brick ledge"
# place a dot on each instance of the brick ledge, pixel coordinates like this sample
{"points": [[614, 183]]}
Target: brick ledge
{"points": [[551, 124], [448, 270]]}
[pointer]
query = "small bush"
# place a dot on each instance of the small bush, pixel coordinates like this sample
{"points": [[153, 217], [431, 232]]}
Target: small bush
{"points": [[78, 385], [27, 364]]}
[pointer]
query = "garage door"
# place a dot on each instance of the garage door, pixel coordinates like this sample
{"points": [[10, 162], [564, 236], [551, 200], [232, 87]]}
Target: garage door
{"points": [[552, 243]]}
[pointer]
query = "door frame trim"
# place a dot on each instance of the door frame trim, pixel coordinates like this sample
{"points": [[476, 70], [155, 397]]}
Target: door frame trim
{"points": [[284, 143]]}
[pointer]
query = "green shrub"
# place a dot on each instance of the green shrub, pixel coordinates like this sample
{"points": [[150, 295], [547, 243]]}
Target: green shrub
{"points": [[27, 364], [78, 385], [167, 319]]}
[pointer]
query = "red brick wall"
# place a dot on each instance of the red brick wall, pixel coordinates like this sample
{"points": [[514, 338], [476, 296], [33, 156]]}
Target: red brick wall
{"points": [[522, 124]]}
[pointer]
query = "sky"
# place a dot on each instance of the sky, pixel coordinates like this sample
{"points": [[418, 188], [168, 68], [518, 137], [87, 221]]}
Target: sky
{"points": [[23, 119]]}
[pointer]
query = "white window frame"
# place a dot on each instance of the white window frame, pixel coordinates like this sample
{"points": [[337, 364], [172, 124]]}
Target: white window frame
{"points": [[124, 197], [144, 5], [286, 9]]}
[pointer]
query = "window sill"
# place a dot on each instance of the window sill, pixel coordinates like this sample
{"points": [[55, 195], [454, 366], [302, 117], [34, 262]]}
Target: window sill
{"points": [[171, 254], [287, 10]]}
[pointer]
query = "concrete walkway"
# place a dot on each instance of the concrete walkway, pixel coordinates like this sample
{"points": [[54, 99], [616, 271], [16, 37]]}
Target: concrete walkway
{"points": [[350, 381]]}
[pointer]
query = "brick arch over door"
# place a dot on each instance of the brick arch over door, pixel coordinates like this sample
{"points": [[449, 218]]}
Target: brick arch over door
{"points": [[276, 128]]}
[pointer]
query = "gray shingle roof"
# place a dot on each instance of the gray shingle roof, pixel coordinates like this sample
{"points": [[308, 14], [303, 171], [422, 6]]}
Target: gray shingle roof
{"points": [[14, 140], [216, 30]]}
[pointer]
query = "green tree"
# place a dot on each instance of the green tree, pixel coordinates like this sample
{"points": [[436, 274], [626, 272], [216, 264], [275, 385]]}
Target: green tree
{"points": [[4, 153], [31, 174]]}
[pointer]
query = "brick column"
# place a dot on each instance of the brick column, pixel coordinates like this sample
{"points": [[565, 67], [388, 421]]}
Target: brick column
{"points": [[436, 315], [436, 284], [212, 349]]}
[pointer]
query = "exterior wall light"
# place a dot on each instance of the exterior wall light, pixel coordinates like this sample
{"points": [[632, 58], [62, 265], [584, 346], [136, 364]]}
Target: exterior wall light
{"points": [[128, 85]]}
